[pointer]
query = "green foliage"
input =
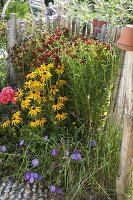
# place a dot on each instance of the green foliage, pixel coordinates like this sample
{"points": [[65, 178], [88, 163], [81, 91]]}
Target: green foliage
{"points": [[19, 7], [3, 54], [94, 174], [115, 12]]}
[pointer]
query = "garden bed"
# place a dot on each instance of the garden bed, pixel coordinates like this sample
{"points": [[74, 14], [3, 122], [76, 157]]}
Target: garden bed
{"points": [[55, 122]]}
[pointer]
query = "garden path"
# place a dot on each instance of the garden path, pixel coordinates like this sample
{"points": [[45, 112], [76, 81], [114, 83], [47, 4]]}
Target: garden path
{"points": [[10, 190]]}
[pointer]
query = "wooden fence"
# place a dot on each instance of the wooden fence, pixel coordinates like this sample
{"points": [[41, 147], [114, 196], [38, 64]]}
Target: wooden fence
{"points": [[101, 30], [18, 31]]}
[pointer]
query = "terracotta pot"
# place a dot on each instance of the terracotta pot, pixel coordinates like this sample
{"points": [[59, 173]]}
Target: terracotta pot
{"points": [[125, 41], [95, 22]]}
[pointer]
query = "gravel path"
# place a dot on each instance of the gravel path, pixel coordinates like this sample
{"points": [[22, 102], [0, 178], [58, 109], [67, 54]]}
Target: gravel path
{"points": [[21, 191]]}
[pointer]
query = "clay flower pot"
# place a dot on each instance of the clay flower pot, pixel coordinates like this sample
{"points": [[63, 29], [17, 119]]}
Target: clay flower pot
{"points": [[125, 41], [97, 25]]}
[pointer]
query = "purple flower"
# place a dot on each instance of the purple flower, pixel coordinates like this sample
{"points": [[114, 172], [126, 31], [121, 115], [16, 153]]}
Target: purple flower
{"points": [[3, 148], [67, 153], [59, 191], [52, 188], [35, 175], [35, 162], [55, 152], [93, 143], [76, 155], [31, 176], [45, 137], [39, 178], [21, 142], [91, 197], [27, 176], [31, 179]]}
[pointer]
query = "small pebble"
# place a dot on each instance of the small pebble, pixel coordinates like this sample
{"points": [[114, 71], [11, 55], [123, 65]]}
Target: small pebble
{"points": [[22, 190], [12, 197], [7, 191]]}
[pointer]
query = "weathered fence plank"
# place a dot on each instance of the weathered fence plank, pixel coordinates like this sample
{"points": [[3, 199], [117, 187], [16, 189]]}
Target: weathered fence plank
{"points": [[10, 44]]}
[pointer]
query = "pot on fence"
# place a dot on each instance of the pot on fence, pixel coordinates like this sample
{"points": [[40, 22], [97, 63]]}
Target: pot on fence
{"points": [[125, 41], [125, 109]]}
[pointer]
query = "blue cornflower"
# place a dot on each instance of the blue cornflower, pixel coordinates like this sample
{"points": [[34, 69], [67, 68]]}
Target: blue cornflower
{"points": [[35, 162], [32, 176], [39, 178], [3, 148], [76, 155], [93, 143], [55, 152], [52, 189], [59, 191]]}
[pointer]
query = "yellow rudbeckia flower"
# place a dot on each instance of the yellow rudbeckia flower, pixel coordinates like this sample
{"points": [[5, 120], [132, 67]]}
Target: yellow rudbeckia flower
{"points": [[16, 121], [16, 114], [25, 103], [59, 70], [33, 84], [41, 121], [41, 99], [34, 111], [54, 90], [57, 106], [45, 76], [31, 75], [50, 65], [61, 116], [6, 123], [61, 82], [62, 99], [34, 123], [19, 94], [33, 95]]}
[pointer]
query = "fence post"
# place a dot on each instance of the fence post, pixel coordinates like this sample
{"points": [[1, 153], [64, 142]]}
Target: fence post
{"points": [[73, 25], [84, 29], [88, 28], [10, 44], [33, 27]]}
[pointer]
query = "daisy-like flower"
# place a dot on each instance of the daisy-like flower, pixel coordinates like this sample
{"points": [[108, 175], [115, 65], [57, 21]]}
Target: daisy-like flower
{"points": [[31, 75], [25, 103], [54, 89], [41, 121], [62, 99], [34, 111], [19, 94], [34, 123], [16, 121], [61, 116], [6, 123], [16, 114], [41, 99], [60, 82], [57, 106], [45, 76], [59, 70], [33, 95], [50, 65], [33, 84], [16, 118]]}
